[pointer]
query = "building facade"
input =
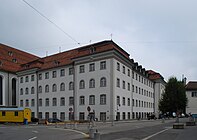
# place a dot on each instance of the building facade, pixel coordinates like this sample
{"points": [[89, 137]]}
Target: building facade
{"points": [[98, 79], [191, 93]]}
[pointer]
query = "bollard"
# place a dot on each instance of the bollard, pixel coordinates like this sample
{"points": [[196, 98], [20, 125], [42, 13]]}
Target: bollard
{"points": [[91, 133], [66, 126], [96, 135], [163, 120], [75, 126]]}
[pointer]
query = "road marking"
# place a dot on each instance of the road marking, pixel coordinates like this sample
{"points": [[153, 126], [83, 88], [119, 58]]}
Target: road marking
{"points": [[156, 134], [35, 131], [86, 135], [33, 138]]}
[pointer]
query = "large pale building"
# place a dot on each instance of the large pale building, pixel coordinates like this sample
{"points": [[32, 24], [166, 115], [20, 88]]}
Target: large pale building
{"points": [[191, 93], [100, 76]]}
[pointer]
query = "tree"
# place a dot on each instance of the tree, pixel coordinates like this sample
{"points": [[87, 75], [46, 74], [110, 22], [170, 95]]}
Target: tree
{"points": [[174, 98]]}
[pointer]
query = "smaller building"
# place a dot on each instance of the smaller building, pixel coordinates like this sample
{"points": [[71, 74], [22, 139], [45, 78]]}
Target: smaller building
{"points": [[191, 93]]}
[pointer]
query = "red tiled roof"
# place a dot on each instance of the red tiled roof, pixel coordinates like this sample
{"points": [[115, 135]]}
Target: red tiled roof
{"points": [[67, 57], [12, 58], [154, 75], [192, 85]]}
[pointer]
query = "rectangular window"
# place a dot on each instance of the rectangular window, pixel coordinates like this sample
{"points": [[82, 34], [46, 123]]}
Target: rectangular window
{"points": [[40, 76], [118, 82], [133, 74], [194, 94], [129, 103], [27, 79], [16, 113], [21, 103], [118, 100], [123, 84], [103, 99], [46, 115], [103, 65], [129, 87], [54, 74], [47, 75], [129, 72], [81, 116], [47, 102], [82, 100], [71, 100], [3, 113], [92, 67], [40, 115], [62, 116], [123, 69], [133, 88], [82, 69], [21, 80], [62, 72], [102, 116], [91, 100], [54, 115], [123, 101], [71, 71], [32, 102], [123, 115], [118, 66], [32, 78]]}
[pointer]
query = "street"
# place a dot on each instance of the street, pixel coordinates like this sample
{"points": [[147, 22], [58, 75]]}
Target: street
{"points": [[125, 130]]}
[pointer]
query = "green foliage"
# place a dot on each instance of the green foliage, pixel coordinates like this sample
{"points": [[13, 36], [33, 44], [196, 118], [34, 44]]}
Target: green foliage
{"points": [[174, 98]]}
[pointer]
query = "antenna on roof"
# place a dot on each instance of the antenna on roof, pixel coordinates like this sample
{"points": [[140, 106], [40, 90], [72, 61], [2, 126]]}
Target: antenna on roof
{"points": [[111, 35], [46, 53], [59, 49], [90, 41]]}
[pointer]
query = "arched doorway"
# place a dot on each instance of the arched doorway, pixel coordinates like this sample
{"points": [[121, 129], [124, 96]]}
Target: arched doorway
{"points": [[1, 90], [14, 92]]}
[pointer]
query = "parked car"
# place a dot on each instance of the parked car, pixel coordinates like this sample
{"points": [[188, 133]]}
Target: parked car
{"points": [[53, 120]]}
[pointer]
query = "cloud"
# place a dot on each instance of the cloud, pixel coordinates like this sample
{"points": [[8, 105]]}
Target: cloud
{"points": [[160, 35]]}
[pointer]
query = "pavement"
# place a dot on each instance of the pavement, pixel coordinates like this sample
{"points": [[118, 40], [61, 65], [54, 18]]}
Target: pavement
{"points": [[117, 130]]}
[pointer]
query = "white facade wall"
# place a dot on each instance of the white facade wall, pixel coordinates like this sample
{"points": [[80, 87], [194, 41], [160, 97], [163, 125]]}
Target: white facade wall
{"points": [[7, 88], [109, 110], [191, 107], [125, 109], [97, 91], [159, 89], [143, 96]]}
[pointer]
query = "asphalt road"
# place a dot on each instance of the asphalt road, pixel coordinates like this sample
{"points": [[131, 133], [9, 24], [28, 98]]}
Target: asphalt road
{"points": [[131, 130]]}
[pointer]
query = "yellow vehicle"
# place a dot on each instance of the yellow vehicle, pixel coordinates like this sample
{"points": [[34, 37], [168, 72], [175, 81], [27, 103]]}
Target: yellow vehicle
{"points": [[15, 115]]}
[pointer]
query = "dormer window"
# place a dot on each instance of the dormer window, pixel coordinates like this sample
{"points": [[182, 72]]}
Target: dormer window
{"points": [[27, 66], [1, 63], [10, 53], [14, 60], [92, 49], [56, 62]]}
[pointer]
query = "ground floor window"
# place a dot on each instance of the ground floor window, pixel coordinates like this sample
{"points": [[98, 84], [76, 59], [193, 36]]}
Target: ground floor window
{"points": [[55, 115], [129, 116], [33, 114], [40, 115], [46, 115], [123, 115], [81, 116], [71, 116], [62, 116], [133, 115], [103, 116]]}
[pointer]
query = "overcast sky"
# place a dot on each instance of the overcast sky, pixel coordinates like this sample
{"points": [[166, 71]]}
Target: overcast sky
{"points": [[159, 34]]}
